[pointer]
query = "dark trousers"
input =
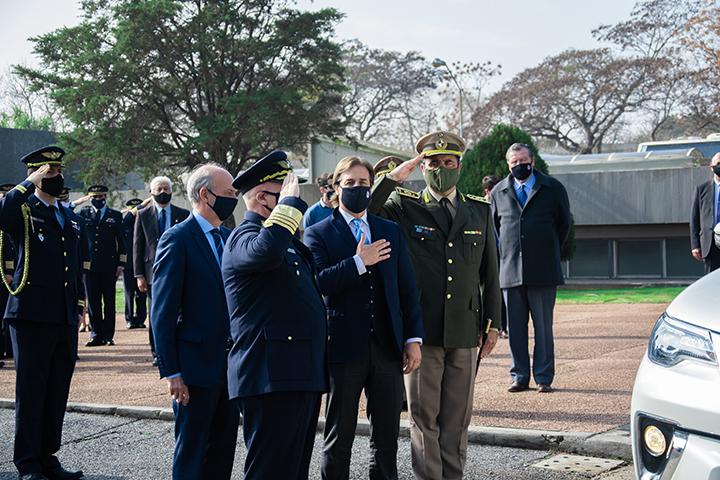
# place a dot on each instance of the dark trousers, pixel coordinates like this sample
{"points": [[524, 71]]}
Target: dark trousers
{"points": [[379, 372], [712, 261], [45, 356], [538, 303], [100, 289], [150, 331], [279, 430], [205, 435], [135, 300], [5, 340]]}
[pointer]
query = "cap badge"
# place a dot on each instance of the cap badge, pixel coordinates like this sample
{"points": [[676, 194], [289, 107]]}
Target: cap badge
{"points": [[440, 144], [51, 155]]}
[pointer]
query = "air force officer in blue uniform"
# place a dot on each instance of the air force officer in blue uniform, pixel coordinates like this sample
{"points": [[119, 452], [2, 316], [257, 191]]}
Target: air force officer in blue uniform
{"points": [[45, 304], [374, 317], [277, 366], [190, 318]]}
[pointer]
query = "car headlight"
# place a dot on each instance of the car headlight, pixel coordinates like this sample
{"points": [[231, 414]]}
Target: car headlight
{"points": [[673, 341]]}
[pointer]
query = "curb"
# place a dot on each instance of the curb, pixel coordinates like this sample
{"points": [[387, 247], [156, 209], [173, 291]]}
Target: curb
{"points": [[613, 443]]}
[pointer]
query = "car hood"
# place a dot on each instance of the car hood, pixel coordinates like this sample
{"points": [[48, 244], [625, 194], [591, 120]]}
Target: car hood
{"points": [[698, 303]]}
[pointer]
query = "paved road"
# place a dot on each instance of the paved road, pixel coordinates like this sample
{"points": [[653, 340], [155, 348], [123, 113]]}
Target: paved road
{"points": [[114, 448]]}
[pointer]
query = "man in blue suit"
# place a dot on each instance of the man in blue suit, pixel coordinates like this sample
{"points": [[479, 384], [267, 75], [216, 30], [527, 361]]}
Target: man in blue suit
{"points": [[192, 328], [374, 321], [277, 366]]}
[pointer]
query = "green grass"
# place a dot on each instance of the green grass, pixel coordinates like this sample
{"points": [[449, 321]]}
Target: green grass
{"points": [[618, 295], [565, 296]]}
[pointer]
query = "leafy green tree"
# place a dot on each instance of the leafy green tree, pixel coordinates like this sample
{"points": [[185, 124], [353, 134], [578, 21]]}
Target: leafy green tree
{"points": [[17, 118], [153, 85], [487, 157]]}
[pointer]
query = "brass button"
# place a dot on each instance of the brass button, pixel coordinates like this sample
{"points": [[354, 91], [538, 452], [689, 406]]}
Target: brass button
{"points": [[449, 278], [474, 244], [295, 263], [422, 238], [449, 296], [450, 244], [65, 253], [449, 260], [66, 284], [289, 337], [66, 269], [297, 272], [62, 238]]}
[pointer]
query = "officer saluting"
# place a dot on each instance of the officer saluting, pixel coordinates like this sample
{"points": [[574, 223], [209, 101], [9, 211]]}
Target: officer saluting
{"points": [[103, 226], [277, 367], [46, 300], [452, 243]]}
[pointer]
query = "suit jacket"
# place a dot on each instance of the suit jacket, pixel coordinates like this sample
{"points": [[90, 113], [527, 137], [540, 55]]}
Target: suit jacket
{"points": [[333, 247], [54, 291], [146, 236], [456, 267], [105, 240], [702, 218], [128, 230], [189, 314], [277, 315], [531, 237]]}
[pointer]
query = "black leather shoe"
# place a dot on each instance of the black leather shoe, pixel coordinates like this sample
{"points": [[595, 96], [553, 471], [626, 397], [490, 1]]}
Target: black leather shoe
{"points": [[518, 387], [129, 326], [33, 476], [155, 362], [95, 342], [140, 325], [544, 388], [110, 342], [60, 473]]}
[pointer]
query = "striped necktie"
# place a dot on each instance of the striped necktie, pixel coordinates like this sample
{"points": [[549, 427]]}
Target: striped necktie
{"points": [[357, 230]]}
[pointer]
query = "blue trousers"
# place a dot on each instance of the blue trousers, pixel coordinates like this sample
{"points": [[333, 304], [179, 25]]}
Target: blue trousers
{"points": [[522, 303]]}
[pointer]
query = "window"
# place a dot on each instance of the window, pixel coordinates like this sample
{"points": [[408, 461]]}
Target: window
{"points": [[639, 258], [592, 258], [679, 261]]}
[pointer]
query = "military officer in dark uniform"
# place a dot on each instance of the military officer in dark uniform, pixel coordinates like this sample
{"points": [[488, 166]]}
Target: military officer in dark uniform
{"points": [[46, 299], [277, 369], [452, 243], [107, 261], [135, 300], [8, 264]]}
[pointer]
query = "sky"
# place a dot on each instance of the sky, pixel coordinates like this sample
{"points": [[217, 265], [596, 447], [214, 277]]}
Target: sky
{"points": [[514, 33]]}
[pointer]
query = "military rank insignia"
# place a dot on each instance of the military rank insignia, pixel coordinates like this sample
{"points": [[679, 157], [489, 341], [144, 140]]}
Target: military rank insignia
{"points": [[423, 229], [472, 232]]}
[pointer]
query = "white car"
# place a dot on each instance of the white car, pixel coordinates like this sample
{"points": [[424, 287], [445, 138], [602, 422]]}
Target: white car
{"points": [[675, 412]]}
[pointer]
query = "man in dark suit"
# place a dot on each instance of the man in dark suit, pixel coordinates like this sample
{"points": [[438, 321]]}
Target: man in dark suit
{"points": [[374, 321], [8, 268], [103, 226], [532, 216], [135, 300], [449, 235], [704, 216], [277, 366], [46, 300], [192, 328], [152, 221]]}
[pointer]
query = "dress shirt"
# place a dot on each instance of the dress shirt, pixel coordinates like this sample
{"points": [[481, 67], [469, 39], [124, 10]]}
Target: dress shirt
{"points": [[207, 228], [529, 183], [716, 190], [452, 197], [158, 209], [56, 208]]}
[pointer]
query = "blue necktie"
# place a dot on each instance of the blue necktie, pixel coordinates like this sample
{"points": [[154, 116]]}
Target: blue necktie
{"points": [[717, 210], [522, 195], [357, 230], [217, 239], [59, 217], [162, 221]]}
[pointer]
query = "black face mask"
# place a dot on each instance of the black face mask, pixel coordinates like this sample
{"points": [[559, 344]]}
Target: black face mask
{"points": [[330, 194], [53, 186], [272, 194], [522, 171], [716, 170], [98, 203], [355, 199], [162, 198], [223, 206]]}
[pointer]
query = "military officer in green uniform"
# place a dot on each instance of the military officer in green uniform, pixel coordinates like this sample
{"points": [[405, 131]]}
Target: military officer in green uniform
{"points": [[452, 244]]}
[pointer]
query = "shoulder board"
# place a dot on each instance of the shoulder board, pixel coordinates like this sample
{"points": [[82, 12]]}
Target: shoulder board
{"points": [[407, 193], [476, 198]]}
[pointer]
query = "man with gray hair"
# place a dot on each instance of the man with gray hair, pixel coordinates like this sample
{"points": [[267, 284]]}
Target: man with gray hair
{"points": [[704, 218], [532, 217], [192, 349], [152, 221]]}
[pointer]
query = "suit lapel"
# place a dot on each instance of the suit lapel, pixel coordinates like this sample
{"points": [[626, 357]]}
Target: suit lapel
{"points": [[152, 223], [535, 188], [205, 248], [347, 239], [435, 210], [461, 217], [377, 233], [174, 215]]}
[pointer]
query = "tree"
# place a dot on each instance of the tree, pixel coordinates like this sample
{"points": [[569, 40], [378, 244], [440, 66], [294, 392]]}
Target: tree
{"points": [[379, 84], [23, 107], [487, 157], [574, 98], [152, 85]]}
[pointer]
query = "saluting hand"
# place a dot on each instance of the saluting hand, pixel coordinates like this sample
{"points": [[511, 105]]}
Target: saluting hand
{"points": [[403, 171], [37, 176], [82, 199], [490, 341], [178, 390], [290, 187], [374, 253]]}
